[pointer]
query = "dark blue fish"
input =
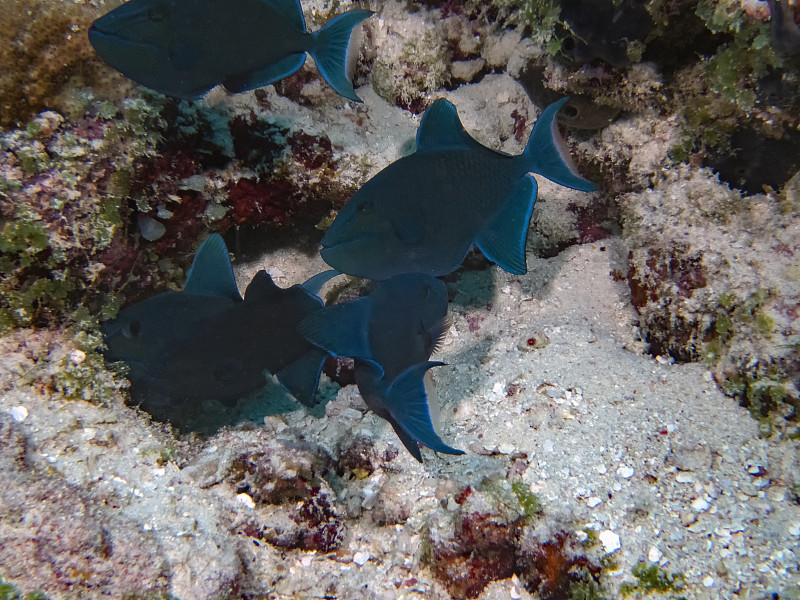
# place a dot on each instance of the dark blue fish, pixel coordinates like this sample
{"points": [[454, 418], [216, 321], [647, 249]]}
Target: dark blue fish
{"points": [[207, 342], [391, 335], [183, 48], [422, 213]]}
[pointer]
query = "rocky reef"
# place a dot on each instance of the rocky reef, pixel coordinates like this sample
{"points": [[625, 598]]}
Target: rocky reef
{"points": [[629, 405]]}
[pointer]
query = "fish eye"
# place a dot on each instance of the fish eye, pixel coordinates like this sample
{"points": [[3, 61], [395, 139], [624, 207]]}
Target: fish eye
{"points": [[157, 13], [132, 330]]}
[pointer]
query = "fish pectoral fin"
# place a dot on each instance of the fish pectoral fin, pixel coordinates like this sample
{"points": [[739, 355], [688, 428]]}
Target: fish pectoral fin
{"points": [[341, 329], [407, 402], [211, 273], [503, 239], [241, 82], [441, 128], [301, 377]]}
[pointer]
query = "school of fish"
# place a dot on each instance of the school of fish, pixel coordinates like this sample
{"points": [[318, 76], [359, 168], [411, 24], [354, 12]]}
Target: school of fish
{"points": [[414, 221]]}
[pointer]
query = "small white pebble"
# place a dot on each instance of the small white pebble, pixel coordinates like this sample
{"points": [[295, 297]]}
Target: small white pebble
{"points": [[610, 541], [89, 433], [654, 555], [794, 528], [360, 558], [246, 500], [601, 469], [683, 477], [581, 536], [77, 356], [593, 501], [548, 445], [760, 482], [754, 469], [514, 593], [708, 581], [19, 413], [625, 472], [700, 505]]}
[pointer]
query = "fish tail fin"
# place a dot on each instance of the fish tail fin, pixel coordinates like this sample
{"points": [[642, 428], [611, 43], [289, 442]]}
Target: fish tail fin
{"points": [[408, 404], [332, 50], [547, 155]]}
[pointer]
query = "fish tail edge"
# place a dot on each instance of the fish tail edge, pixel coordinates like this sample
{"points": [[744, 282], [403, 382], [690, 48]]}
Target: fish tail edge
{"points": [[332, 49]]}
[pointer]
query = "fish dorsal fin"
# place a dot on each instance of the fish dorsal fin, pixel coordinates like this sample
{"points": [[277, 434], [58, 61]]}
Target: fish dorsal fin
{"points": [[291, 10], [211, 273], [408, 405], [441, 128], [503, 239], [262, 288], [342, 329]]}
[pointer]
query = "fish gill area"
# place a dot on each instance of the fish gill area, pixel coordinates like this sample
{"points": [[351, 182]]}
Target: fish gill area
{"points": [[628, 407]]}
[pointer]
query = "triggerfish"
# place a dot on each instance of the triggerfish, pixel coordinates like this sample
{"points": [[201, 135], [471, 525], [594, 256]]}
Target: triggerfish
{"points": [[391, 334], [183, 48], [422, 213], [207, 342]]}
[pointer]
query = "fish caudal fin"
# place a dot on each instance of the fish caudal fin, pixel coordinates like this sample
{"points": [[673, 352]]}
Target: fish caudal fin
{"points": [[547, 155], [407, 402], [301, 377], [503, 240], [331, 49], [314, 284]]}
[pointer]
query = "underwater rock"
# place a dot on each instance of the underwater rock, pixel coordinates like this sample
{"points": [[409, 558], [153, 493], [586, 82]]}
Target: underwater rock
{"points": [[61, 541], [754, 161], [602, 29], [710, 275]]}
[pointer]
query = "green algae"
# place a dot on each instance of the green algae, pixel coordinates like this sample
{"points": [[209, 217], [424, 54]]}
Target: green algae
{"points": [[652, 579], [528, 501]]}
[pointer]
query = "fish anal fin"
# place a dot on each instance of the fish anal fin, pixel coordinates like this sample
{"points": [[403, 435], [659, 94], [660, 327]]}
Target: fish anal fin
{"points": [[341, 329], [407, 403], [251, 80], [441, 128], [211, 273], [301, 377], [503, 239]]}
